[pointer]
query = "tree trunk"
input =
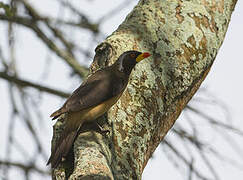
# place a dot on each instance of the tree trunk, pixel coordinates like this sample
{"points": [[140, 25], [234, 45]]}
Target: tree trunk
{"points": [[183, 38]]}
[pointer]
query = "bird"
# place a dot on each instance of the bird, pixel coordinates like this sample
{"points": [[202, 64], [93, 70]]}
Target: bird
{"points": [[92, 99]]}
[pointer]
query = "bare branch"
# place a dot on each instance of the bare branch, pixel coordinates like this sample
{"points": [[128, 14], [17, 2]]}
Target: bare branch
{"points": [[188, 163], [25, 83], [24, 167], [30, 23], [83, 22], [215, 122]]}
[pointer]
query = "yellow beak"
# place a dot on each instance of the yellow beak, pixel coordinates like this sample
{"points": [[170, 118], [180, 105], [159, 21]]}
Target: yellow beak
{"points": [[142, 56]]}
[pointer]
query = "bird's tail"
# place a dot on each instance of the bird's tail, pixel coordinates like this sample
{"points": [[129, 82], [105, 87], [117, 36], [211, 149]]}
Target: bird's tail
{"points": [[62, 147]]}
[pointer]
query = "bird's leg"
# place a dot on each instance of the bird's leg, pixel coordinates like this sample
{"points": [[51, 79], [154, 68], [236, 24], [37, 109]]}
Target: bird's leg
{"points": [[95, 126]]}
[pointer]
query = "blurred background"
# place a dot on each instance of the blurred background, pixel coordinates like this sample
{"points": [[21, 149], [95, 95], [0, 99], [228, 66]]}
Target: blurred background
{"points": [[46, 48]]}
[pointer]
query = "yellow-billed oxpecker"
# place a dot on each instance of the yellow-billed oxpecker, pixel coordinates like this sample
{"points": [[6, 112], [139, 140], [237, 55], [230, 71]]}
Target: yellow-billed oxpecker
{"points": [[92, 99]]}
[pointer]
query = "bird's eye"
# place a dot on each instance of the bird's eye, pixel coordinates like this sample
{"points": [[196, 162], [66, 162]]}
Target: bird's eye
{"points": [[132, 55]]}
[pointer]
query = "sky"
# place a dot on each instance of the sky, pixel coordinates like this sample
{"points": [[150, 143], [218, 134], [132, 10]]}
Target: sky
{"points": [[224, 81]]}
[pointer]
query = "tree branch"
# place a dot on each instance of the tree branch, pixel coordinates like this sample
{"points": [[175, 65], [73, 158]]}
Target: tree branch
{"points": [[83, 22], [159, 88], [25, 83], [23, 167], [67, 57]]}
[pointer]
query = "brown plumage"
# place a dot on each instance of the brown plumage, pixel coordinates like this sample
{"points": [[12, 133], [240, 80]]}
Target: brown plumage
{"points": [[92, 99]]}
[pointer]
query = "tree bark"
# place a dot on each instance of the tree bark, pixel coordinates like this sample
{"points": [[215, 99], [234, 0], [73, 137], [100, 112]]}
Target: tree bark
{"points": [[183, 38]]}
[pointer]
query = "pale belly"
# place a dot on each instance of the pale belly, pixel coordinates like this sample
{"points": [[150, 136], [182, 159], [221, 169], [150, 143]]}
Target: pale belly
{"points": [[95, 112], [76, 118]]}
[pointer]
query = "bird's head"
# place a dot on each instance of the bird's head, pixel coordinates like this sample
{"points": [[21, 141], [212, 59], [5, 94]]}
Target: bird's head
{"points": [[127, 61]]}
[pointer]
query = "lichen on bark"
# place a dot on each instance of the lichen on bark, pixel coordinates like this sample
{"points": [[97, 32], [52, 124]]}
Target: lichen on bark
{"points": [[183, 38]]}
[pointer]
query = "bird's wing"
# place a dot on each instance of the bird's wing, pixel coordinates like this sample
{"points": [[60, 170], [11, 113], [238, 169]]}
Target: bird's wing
{"points": [[91, 94]]}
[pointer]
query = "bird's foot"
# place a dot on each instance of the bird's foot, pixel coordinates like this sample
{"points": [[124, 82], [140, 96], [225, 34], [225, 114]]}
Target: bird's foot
{"points": [[101, 129]]}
